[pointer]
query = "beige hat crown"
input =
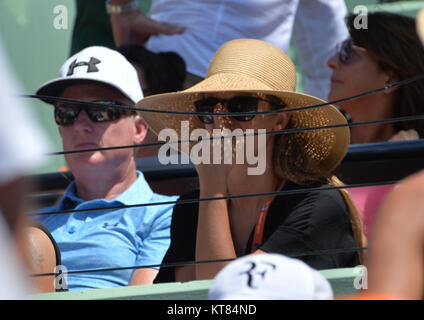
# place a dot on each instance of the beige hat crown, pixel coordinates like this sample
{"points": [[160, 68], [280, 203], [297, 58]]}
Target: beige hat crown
{"points": [[253, 59]]}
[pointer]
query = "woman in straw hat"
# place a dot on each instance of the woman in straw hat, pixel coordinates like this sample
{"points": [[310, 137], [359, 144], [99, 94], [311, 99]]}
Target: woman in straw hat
{"points": [[248, 75], [385, 52]]}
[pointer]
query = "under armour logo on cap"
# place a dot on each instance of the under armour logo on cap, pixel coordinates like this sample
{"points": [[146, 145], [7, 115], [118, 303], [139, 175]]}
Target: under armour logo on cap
{"points": [[99, 65], [91, 65]]}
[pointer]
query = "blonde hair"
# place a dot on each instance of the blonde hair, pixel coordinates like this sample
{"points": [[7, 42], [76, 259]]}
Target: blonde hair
{"points": [[357, 227], [290, 164]]}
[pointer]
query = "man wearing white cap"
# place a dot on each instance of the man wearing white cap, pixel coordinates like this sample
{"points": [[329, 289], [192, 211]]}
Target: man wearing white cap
{"points": [[110, 238]]}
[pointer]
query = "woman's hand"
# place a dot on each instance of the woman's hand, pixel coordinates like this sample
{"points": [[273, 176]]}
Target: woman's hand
{"points": [[213, 176], [405, 135], [214, 240]]}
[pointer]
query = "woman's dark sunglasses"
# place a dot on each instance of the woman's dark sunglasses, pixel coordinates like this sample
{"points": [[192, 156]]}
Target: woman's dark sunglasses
{"points": [[66, 114], [237, 104], [346, 51]]}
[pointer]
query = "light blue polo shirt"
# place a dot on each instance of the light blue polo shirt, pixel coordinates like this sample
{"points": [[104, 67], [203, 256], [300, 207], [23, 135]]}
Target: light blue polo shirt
{"points": [[110, 238]]}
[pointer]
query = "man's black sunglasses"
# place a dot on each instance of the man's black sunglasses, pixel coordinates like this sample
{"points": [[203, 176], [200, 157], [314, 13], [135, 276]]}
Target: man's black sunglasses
{"points": [[66, 114], [237, 104]]}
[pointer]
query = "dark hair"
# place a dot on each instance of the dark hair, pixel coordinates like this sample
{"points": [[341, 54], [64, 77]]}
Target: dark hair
{"points": [[164, 71], [391, 39]]}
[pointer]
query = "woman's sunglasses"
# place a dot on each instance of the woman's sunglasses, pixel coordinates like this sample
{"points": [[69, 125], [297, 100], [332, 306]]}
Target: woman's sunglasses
{"points": [[67, 114], [346, 51], [233, 105]]}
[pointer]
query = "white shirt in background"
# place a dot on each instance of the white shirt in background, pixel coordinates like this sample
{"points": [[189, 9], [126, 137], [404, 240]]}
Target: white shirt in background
{"points": [[317, 26]]}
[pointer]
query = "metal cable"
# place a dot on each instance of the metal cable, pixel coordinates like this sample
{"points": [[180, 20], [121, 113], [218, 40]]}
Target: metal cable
{"points": [[188, 263], [131, 108], [239, 196], [276, 132], [284, 131]]}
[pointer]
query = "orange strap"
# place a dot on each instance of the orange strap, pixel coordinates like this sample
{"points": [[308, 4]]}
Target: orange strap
{"points": [[260, 225], [260, 222]]}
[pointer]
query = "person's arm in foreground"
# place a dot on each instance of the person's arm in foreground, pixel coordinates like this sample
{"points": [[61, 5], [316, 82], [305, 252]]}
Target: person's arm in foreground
{"points": [[396, 254]]}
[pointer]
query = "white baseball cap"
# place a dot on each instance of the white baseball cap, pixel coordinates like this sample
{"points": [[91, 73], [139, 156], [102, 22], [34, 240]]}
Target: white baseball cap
{"points": [[96, 65], [269, 277]]}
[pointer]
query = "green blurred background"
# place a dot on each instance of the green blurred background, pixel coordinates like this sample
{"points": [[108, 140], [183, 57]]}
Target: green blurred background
{"points": [[36, 49]]}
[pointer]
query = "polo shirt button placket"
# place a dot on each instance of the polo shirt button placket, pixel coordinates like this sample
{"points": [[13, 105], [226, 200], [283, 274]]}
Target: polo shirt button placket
{"points": [[72, 230]]}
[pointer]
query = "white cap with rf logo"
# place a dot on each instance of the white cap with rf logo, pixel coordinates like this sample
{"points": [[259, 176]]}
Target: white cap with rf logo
{"points": [[269, 277]]}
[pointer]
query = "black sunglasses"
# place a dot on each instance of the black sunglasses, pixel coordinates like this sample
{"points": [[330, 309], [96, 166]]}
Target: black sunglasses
{"points": [[346, 51], [236, 104], [66, 114]]}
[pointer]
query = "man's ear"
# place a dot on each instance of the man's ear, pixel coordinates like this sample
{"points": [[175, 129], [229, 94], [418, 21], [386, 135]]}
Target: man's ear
{"points": [[59, 128], [141, 129]]}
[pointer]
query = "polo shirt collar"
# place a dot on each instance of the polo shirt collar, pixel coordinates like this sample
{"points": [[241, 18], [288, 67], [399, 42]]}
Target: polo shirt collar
{"points": [[139, 192]]}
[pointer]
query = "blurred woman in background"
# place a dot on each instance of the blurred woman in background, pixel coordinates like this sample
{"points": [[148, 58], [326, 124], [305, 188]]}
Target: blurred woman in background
{"points": [[388, 51]]}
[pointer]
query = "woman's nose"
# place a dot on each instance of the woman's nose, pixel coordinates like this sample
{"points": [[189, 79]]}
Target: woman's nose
{"points": [[222, 121], [333, 62]]}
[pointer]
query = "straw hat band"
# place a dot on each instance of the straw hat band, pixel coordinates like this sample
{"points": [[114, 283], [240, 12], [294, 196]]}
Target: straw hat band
{"points": [[230, 82], [280, 75]]}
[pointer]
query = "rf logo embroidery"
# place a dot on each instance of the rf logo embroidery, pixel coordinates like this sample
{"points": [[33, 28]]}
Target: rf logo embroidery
{"points": [[257, 272], [91, 65]]}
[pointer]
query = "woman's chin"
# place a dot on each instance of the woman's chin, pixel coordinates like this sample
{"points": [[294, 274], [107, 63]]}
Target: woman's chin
{"points": [[332, 96], [336, 92]]}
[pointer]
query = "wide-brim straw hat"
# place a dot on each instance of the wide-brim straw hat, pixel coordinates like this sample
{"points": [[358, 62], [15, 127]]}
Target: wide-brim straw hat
{"points": [[420, 25], [249, 66]]}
